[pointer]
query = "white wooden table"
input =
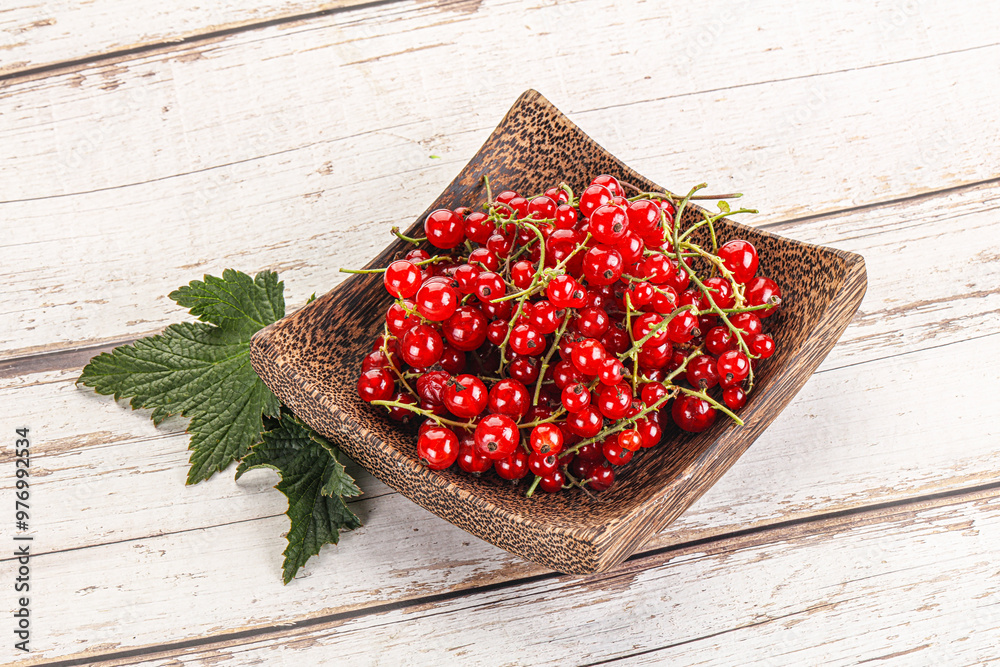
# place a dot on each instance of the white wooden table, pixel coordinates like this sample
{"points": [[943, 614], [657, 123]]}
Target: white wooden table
{"points": [[142, 146]]}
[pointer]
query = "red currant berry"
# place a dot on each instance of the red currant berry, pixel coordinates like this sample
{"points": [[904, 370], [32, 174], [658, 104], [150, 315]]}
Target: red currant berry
{"points": [[510, 398], [587, 356], [565, 217], [664, 300], [452, 359], [465, 277], [472, 461], [522, 273], [496, 437], [500, 245], [614, 452], [485, 257], [652, 393], [525, 369], [478, 227], [466, 329], [553, 482], [575, 397], [761, 291], [701, 372], [542, 464], [658, 269], [490, 286], [376, 385], [630, 440], [762, 345], [514, 467], [631, 248], [401, 414], [692, 414], [496, 310], [437, 301], [734, 397], [437, 448], [602, 265], [732, 367], [430, 386], [399, 317], [611, 183], [402, 279], [545, 317], [586, 423], [722, 292], [496, 332], [649, 429], [593, 322], [683, 327], [608, 224], [527, 340], [740, 257], [444, 229], [612, 372], [643, 216], [639, 294], [563, 291], [421, 346], [718, 340], [614, 402], [593, 197], [601, 477], [546, 439], [465, 396], [542, 208], [645, 324], [615, 340], [505, 197]]}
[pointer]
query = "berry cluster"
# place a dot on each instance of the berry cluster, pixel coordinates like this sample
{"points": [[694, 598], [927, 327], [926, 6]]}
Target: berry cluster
{"points": [[550, 334]]}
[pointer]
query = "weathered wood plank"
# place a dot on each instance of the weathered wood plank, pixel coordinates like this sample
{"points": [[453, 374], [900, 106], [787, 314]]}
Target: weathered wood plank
{"points": [[913, 578], [283, 173], [854, 436]]}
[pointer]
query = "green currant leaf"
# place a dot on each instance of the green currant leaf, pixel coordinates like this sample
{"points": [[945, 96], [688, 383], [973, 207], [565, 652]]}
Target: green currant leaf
{"points": [[202, 370], [314, 482], [724, 207]]}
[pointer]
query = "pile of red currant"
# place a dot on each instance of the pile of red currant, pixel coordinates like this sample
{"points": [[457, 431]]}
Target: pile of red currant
{"points": [[550, 333]]}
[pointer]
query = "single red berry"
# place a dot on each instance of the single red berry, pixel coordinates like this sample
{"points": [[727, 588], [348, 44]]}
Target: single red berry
{"points": [[665, 300], [444, 229], [513, 467], [762, 345], [761, 291], [496, 310], [683, 327], [500, 245], [465, 396], [378, 359], [615, 340], [437, 448], [490, 286], [505, 197], [527, 340], [650, 323], [553, 482], [509, 397], [611, 183], [586, 423], [718, 340], [652, 392], [701, 372], [452, 359], [649, 429], [630, 439], [732, 367], [547, 439], [608, 224], [601, 477], [588, 355], [575, 397], [402, 279], [545, 317], [496, 332], [465, 277], [734, 397], [592, 322], [654, 356], [722, 292], [542, 464], [496, 436], [472, 461], [748, 323], [740, 257], [612, 371], [659, 269], [421, 346], [614, 452], [631, 248], [614, 402], [437, 301], [692, 414], [639, 294], [580, 467], [376, 385], [400, 317], [466, 329], [478, 227], [522, 273], [593, 197], [643, 216], [486, 258], [401, 414], [565, 216], [542, 208], [525, 369], [430, 386], [602, 265], [563, 291]]}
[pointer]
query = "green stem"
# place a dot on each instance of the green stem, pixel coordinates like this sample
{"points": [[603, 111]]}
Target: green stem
{"points": [[426, 413], [408, 239], [534, 485]]}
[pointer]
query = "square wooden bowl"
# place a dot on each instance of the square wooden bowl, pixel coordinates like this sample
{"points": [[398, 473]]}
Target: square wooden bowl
{"points": [[311, 360]]}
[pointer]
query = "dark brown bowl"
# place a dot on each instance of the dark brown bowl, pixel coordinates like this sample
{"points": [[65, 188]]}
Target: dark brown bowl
{"points": [[311, 360]]}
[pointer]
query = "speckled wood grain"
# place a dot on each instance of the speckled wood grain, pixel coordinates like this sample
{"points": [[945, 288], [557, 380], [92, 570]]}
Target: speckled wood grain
{"points": [[311, 360]]}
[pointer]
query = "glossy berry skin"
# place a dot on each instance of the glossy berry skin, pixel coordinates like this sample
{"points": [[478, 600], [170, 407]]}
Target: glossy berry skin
{"points": [[643, 216], [496, 437], [629, 440], [602, 265], [762, 345], [542, 208], [649, 430], [437, 448], [563, 292], [522, 273], [594, 197], [701, 372], [614, 452], [546, 439], [692, 414], [683, 327], [718, 340], [527, 340], [639, 294], [430, 386], [586, 423], [376, 385], [734, 397], [652, 392], [444, 229], [552, 483], [452, 359], [601, 477], [565, 217], [489, 286], [524, 369], [608, 224], [722, 292], [509, 397], [652, 357], [542, 464], [658, 269], [611, 183], [740, 257], [421, 346], [513, 467], [614, 402], [615, 340], [644, 325], [575, 397], [398, 319], [664, 300], [402, 279], [465, 396], [612, 372], [496, 332], [748, 323], [500, 245], [478, 227], [466, 329], [401, 414], [732, 367], [760, 291], [545, 317], [437, 301], [471, 461], [587, 356]]}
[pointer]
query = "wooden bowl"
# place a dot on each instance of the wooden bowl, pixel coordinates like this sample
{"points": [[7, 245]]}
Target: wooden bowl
{"points": [[312, 358]]}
